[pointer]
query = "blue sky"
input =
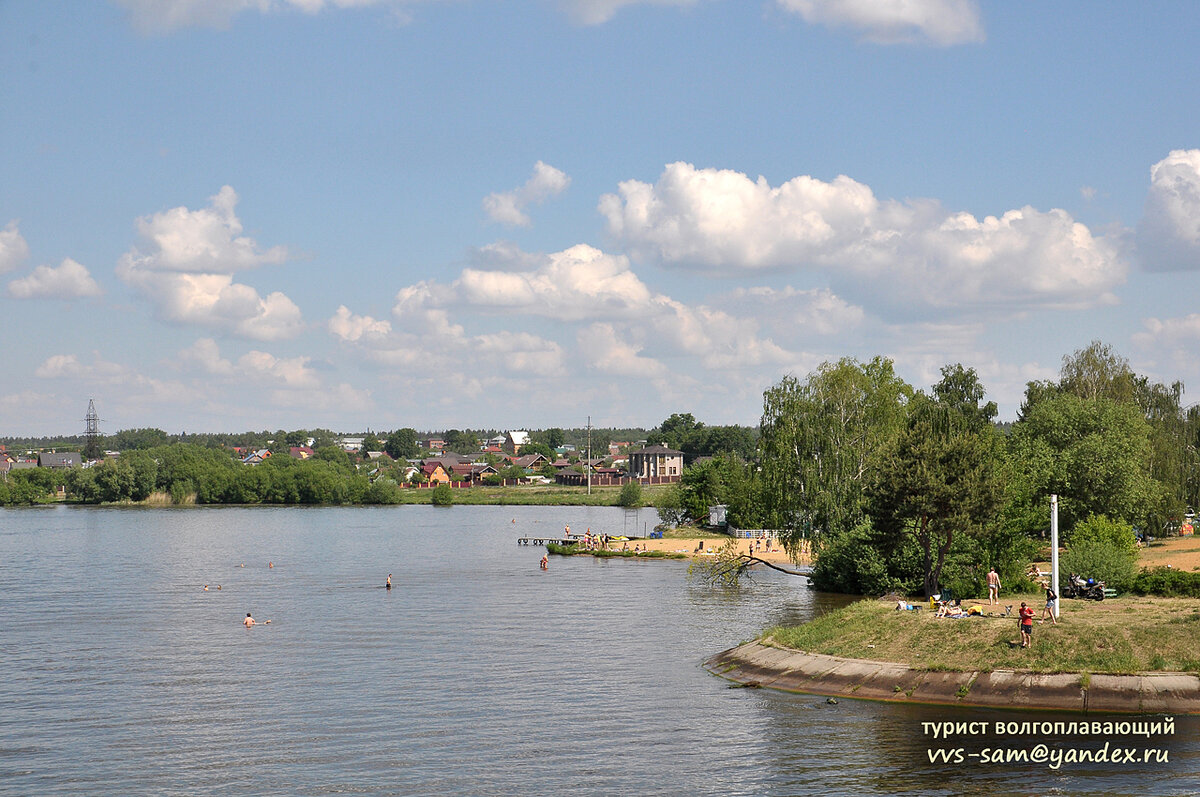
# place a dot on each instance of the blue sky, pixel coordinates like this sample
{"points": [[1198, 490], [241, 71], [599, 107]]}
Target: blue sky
{"points": [[260, 214]]}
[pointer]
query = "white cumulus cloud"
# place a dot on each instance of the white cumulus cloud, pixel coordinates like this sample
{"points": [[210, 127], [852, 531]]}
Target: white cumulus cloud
{"points": [[350, 327], [915, 251], [596, 12], [70, 280], [1169, 234], [579, 282], [164, 16], [186, 266], [13, 249], [509, 207], [1172, 343], [604, 350], [69, 366], [939, 22]]}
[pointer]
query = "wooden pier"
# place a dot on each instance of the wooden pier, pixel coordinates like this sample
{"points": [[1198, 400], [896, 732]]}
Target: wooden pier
{"points": [[544, 540]]}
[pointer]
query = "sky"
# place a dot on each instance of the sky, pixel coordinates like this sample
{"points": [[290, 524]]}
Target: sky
{"points": [[229, 215]]}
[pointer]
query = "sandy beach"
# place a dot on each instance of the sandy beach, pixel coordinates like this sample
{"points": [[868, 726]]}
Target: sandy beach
{"points": [[691, 546]]}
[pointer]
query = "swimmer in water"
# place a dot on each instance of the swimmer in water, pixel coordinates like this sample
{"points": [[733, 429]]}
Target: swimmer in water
{"points": [[545, 562], [389, 581], [249, 621], [270, 564], [206, 588]]}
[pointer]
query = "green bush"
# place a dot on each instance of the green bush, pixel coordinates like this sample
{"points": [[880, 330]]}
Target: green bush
{"points": [[1098, 528], [442, 495], [853, 564], [382, 491], [1102, 560], [631, 495], [1167, 583]]}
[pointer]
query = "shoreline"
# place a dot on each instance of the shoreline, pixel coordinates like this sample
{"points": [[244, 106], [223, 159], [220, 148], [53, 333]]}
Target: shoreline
{"points": [[755, 664], [689, 545]]}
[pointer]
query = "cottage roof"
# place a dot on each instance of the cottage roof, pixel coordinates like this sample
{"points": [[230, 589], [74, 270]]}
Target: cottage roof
{"points": [[657, 449]]}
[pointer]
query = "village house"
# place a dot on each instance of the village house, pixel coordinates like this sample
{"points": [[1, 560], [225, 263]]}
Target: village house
{"points": [[514, 440], [530, 462], [655, 462], [60, 461], [434, 473]]}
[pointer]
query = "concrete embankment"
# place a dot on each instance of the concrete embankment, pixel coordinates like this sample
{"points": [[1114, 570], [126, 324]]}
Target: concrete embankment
{"points": [[756, 664]]}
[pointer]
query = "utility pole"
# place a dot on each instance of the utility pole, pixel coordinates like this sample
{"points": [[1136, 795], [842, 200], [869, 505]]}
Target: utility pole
{"points": [[588, 465], [1054, 550]]}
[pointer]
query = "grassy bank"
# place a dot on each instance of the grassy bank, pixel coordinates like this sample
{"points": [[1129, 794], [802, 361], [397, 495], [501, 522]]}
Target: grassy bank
{"points": [[534, 495], [577, 550], [1123, 635]]}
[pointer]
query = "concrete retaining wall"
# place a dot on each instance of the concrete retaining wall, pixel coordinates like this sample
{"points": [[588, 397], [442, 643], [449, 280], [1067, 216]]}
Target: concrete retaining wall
{"points": [[812, 673]]}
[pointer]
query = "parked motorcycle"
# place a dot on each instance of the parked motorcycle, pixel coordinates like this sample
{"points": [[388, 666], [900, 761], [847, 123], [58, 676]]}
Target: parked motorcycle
{"points": [[1076, 586]]}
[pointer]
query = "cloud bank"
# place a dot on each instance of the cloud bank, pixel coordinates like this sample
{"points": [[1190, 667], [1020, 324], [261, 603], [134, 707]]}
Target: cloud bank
{"points": [[721, 221]]}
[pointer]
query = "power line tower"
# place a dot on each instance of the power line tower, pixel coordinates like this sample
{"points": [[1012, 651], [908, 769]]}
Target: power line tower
{"points": [[91, 433]]}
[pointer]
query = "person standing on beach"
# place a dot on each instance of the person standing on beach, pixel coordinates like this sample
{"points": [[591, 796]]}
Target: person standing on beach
{"points": [[993, 584], [1051, 597], [1026, 617]]}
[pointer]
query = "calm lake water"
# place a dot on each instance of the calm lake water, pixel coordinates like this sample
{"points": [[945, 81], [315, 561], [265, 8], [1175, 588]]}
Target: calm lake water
{"points": [[478, 674]]}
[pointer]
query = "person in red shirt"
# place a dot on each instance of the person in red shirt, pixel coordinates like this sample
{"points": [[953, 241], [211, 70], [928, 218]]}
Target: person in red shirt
{"points": [[1026, 615]]}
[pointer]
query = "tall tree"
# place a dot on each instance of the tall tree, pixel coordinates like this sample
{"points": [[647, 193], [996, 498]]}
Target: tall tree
{"points": [[402, 444], [939, 479], [1093, 453], [817, 440]]}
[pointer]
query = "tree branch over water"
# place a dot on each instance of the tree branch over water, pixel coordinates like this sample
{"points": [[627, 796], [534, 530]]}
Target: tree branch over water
{"points": [[727, 566]]}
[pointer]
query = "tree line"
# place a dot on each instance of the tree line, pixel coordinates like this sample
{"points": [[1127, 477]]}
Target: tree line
{"points": [[919, 491]]}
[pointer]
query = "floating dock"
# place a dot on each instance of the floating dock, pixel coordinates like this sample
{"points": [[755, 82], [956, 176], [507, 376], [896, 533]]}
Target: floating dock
{"points": [[544, 540]]}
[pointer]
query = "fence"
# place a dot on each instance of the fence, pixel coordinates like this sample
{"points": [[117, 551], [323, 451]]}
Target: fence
{"points": [[751, 534]]}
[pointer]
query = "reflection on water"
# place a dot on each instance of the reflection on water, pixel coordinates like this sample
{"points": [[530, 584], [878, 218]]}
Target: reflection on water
{"points": [[479, 673]]}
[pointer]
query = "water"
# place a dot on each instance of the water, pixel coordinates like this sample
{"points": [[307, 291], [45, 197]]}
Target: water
{"points": [[477, 674]]}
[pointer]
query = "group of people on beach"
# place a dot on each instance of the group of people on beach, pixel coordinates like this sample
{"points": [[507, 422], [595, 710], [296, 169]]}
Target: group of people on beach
{"points": [[1025, 613]]}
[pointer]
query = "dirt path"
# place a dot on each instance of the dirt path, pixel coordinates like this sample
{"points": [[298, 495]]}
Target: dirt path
{"points": [[1178, 552]]}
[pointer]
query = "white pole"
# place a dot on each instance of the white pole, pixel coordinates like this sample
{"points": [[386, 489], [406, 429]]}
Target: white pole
{"points": [[1054, 551]]}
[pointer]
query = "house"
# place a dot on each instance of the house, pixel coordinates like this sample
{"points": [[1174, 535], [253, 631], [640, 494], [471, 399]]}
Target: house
{"points": [[496, 442], [433, 472], [471, 471], [434, 444], [257, 457], [530, 462], [655, 461], [301, 452], [514, 440], [379, 457], [351, 444], [66, 459]]}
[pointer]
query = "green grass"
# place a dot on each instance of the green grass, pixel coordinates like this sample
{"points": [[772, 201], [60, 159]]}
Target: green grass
{"points": [[576, 550], [1090, 638]]}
